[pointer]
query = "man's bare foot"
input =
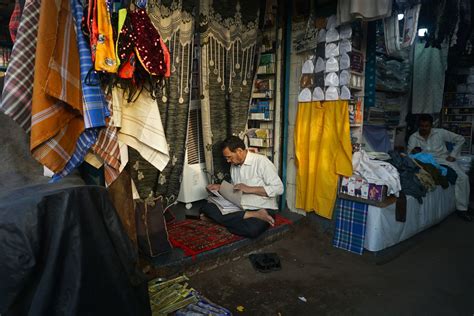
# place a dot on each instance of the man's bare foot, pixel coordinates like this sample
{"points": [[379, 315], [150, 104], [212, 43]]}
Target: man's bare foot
{"points": [[260, 214]]}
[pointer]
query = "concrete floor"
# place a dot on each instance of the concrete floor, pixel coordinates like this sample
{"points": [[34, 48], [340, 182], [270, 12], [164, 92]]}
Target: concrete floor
{"points": [[433, 275]]}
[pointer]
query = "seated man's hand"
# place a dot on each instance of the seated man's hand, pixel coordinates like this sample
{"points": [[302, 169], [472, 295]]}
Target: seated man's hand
{"points": [[213, 187], [242, 187], [450, 159], [416, 150]]}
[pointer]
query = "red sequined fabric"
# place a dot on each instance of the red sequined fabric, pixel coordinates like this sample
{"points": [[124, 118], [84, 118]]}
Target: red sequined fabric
{"points": [[147, 43]]}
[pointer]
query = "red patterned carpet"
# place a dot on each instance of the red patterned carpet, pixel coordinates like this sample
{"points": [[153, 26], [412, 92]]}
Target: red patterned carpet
{"points": [[197, 236]]}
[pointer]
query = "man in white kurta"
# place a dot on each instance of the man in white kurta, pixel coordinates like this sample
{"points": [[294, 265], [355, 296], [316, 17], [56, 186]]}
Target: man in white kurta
{"points": [[433, 141], [257, 178]]}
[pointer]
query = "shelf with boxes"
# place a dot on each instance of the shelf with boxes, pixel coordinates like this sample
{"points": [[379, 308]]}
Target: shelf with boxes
{"points": [[458, 117], [260, 126]]}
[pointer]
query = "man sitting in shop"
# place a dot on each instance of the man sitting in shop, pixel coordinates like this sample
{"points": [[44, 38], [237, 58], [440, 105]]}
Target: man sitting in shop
{"points": [[433, 141], [257, 178]]}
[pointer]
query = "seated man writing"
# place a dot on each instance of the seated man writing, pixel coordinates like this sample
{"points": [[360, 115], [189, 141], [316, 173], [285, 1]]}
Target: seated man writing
{"points": [[433, 141], [257, 178]]}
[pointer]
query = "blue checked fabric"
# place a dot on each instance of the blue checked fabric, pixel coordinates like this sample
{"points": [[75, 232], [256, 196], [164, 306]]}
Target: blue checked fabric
{"points": [[85, 141], [95, 104], [351, 218]]}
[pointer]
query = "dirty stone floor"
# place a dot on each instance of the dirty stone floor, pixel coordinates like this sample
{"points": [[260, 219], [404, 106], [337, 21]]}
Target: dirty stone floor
{"points": [[431, 274]]}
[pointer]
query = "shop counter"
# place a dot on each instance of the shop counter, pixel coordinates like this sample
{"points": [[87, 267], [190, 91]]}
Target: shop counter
{"points": [[383, 231]]}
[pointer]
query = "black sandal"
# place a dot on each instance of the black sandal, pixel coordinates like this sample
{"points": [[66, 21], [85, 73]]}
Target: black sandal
{"points": [[265, 262]]}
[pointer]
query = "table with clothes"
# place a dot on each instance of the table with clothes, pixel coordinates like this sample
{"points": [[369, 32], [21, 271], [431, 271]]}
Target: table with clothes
{"points": [[424, 192]]}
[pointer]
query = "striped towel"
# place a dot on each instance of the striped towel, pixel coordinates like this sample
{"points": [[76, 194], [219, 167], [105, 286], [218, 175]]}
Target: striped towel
{"points": [[349, 233]]}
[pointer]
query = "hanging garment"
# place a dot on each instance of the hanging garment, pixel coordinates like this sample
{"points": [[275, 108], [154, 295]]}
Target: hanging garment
{"points": [[107, 148], [323, 152], [105, 50], [18, 83], [307, 136], [56, 121], [391, 35], [147, 43], [335, 156], [349, 10], [175, 25], [142, 129], [377, 138], [429, 67], [229, 48], [94, 102], [15, 21], [95, 108], [85, 141], [410, 25]]}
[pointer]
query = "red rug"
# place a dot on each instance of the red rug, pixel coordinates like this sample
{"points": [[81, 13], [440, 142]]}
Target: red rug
{"points": [[197, 236]]}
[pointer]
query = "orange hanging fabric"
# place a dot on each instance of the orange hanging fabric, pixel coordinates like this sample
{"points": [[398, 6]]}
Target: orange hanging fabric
{"points": [[105, 51], [56, 121]]}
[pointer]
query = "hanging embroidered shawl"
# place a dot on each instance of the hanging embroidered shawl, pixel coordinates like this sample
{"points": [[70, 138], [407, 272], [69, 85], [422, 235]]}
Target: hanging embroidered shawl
{"points": [[57, 99], [175, 25], [228, 39]]}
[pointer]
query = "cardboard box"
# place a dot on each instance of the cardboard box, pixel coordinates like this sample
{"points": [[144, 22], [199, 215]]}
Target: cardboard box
{"points": [[358, 187]]}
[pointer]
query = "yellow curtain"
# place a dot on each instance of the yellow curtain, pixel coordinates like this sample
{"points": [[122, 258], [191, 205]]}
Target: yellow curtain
{"points": [[323, 152]]}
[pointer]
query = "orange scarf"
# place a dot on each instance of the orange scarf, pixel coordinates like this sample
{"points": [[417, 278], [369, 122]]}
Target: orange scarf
{"points": [[105, 51], [56, 121]]}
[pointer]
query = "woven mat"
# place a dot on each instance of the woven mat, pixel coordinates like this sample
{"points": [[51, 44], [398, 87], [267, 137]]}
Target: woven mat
{"points": [[198, 236]]}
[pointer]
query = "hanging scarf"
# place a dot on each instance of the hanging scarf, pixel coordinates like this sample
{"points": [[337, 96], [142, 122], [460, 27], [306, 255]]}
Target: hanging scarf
{"points": [[18, 86], [105, 53], [56, 121], [147, 43]]}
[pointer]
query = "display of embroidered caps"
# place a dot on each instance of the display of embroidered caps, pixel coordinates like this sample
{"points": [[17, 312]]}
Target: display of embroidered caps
{"points": [[319, 65], [308, 67], [331, 79], [305, 95], [147, 43], [322, 36], [345, 46], [345, 93], [345, 31], [344, 78], [344, 61], [332, 50], [332, 94], [332, 65], [332, 35], [318, 94]]}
